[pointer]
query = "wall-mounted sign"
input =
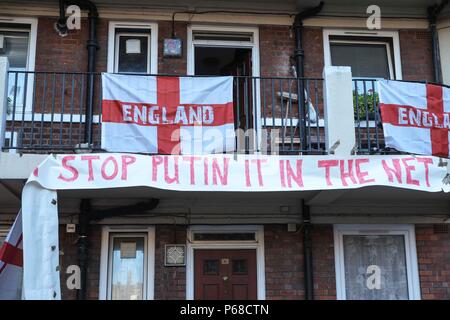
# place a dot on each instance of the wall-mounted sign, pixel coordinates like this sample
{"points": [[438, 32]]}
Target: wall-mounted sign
{"points": [[133, 46], [175, 255]]}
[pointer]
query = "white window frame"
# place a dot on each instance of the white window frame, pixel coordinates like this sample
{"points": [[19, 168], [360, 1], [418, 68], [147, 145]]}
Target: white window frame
{"points": [[396, 73], [31, 58], [112, 39], [149, 280], [258, 245], [254, 45], [407, 231]]}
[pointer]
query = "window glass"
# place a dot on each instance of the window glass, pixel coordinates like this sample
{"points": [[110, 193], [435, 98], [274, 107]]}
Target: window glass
{"points": [[127, 268], [218, 236], [366, 60], [15, 47], [375, 267], [133, 53]]}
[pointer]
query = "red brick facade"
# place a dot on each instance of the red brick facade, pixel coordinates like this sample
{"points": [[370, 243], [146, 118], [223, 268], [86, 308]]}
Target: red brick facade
{"points": [[283, 250]]}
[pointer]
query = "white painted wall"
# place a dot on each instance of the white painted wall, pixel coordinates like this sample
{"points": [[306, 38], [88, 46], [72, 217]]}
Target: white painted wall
{"points": [[339, 114]]}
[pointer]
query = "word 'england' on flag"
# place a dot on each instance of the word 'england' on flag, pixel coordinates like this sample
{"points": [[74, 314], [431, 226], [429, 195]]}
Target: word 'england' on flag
{"points": [[416, 117], [167, 115]]}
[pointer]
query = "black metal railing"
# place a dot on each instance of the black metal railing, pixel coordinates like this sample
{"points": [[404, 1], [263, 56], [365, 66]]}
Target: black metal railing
{"points": [[47, 112]]}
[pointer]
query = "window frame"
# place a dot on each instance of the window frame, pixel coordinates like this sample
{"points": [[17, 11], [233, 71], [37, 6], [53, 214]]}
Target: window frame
{"points": [[254, 45], [407, 231], [31, 57], [113, 48], [105, 261], [395, 66]]}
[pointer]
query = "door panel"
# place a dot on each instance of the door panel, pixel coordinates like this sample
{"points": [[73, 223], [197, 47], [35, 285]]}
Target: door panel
{"points": [[225, 275]]}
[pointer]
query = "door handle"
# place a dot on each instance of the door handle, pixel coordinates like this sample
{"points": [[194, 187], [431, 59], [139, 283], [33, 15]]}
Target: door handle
{"points": [[225, 278]]}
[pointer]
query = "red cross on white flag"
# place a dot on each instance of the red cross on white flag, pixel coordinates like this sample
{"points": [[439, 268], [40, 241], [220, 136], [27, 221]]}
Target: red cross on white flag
{"points": [[167, 115], [11, 263], [416, 117]]}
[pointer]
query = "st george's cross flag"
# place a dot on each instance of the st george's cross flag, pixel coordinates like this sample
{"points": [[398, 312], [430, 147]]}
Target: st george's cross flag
{"points": [[11, 263], [415, 117], [167, 115]]}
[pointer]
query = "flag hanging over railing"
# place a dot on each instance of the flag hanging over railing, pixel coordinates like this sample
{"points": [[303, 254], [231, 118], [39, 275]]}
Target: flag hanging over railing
{"points": [[416, 117], [167, 115], [11, 263]]}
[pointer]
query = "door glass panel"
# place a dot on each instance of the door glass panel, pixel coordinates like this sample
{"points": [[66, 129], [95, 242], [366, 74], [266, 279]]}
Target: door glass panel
{"points": [[366, 60], [127, 268], [211, 267], [375, 267], [240, 266]]}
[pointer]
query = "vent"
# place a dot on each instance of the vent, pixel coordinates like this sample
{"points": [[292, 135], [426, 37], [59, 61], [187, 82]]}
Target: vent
{"points": [[423, 35], [440, 228], [218, 36]]}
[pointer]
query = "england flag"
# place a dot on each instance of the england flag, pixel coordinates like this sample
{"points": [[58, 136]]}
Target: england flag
{"points": [[416, 117], [167, 115], [11, 263]]}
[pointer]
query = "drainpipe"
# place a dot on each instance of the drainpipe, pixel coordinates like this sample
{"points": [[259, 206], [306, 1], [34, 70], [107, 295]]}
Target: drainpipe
{"points": [[307, 253], [83, 253], [92, 47], [299, 55], [433, 14]]}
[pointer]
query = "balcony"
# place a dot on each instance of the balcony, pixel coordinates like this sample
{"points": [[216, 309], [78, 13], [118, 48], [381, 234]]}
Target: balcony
{"points": [[50, 112]]}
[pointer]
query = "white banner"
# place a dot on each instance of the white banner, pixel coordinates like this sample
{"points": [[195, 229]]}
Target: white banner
{"points": [[218, 173], [239, 173]]}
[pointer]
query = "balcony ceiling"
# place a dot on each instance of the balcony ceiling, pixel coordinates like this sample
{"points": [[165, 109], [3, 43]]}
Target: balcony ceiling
{"points": [[396, 8]]}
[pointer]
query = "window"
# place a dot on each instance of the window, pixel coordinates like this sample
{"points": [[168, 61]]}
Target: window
{"points": [[127, 264], [369, 54], [18, 44], [127, 267], [215, 50], [132, 48], [376, 262]]}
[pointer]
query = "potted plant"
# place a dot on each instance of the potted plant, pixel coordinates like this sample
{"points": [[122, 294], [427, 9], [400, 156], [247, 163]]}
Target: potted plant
{"points": [[365, 105]]}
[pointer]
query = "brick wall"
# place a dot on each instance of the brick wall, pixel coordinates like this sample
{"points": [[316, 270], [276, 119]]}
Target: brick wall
{"points": [[323, 262], [284, 263], [69, 256], [433, 254]]}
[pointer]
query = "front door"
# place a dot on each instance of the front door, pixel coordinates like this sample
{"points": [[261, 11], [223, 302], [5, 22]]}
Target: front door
{"points": [[225, 274]]}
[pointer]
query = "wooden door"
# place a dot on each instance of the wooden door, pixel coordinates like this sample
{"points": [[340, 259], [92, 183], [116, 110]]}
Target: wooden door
{"points": [[225, 275]]}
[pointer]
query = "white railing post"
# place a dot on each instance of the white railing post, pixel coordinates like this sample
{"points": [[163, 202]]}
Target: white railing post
{"points": [[340, 136], [4, 66]]}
